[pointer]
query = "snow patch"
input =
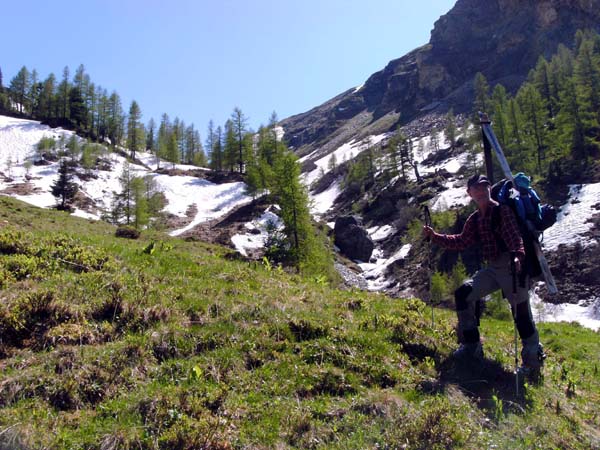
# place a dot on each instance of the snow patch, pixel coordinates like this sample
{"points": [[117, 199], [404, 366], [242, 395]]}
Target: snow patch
{"points": [[586, 312], [323, 201], [211, 200], [374, 273], [248, 241], [451, 197], [380, 233], [345, 152], [573, 220]]}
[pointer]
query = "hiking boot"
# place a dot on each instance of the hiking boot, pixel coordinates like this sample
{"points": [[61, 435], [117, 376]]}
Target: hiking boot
{"points": [[469, 352], [533, 362], [533, 356], [531, 374]]}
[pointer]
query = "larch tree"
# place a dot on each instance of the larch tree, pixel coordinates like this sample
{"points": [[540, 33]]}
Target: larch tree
{"points": [[151, 136], [123, 202], [499, 106], [230, 146], [535, 122], [116, 120], [141, 212], [240, 125], [305, 248], [19, 88], [210, 139], [34, 94], [63, 94], [482, 90], [216, 154], [135, 129], [172, 149], [451, 130]]}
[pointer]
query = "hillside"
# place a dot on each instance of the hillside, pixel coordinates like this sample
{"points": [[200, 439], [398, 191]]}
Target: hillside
{"points": [[111, 343], [213, 207]]}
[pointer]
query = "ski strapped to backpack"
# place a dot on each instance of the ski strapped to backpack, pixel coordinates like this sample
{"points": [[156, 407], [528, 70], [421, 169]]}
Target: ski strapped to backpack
{"points": [[533, 218]]}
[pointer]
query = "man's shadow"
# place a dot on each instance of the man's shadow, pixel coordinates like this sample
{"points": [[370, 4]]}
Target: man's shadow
{"points": [[488, 383]]}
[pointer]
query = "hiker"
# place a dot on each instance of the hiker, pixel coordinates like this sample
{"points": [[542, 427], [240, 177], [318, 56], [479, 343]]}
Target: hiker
{"points": [[499, 245]]}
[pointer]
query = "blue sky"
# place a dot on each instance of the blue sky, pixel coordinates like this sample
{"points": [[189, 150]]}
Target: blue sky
{"points": [[199, 59]]}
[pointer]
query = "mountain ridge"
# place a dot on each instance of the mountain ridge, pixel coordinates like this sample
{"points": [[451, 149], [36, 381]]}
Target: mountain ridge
{"points": [[495, 38]]}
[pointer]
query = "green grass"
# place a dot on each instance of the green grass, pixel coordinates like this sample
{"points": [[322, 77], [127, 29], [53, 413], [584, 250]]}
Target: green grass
{"points": [[106, 346]]}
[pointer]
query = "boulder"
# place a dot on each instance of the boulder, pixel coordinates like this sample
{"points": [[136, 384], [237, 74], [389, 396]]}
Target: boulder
{"points": [[352, 239]]}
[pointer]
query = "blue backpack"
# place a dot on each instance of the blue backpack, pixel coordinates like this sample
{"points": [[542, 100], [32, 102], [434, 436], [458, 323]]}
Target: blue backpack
{"points": [[525, 202], [532, 217]]}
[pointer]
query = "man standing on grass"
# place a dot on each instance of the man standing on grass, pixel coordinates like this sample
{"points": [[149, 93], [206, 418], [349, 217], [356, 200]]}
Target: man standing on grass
{"points": [[494, 227]]}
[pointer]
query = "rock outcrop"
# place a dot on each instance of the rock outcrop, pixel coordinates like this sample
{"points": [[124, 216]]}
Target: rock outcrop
{"points": [[352, 239]]}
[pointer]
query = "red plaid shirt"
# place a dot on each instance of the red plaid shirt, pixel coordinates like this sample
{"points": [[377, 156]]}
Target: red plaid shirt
{"points": [[478, 229]]}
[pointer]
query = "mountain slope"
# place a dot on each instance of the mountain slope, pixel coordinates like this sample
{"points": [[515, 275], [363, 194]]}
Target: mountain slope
{"points": [[500, 38]]}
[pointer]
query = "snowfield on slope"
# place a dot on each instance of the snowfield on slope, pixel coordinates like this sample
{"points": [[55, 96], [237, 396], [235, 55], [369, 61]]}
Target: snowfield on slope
{"points": [[18, 138]]}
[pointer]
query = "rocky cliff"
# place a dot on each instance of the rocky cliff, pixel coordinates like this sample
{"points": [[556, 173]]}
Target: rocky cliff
{"points": [[500, 38]]}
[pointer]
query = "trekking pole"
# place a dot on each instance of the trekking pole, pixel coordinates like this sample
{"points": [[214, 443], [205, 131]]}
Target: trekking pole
{"points": [[427, 219], [513, 271]]}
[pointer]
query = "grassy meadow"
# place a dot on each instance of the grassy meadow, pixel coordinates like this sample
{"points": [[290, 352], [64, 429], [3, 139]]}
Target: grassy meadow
{"points": [[160, 343]]}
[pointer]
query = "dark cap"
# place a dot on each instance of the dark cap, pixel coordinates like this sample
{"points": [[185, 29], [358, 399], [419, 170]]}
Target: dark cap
{"points": [[477, 179]]}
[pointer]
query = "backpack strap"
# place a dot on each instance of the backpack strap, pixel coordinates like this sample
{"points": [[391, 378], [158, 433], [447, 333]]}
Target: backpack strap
{"points": [[496, 223]]}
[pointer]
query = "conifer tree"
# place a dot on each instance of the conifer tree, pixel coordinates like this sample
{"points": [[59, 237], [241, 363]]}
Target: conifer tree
{"points": [[540, 77], [135, 129], [239, 125], [450, 130], [571, 130], [116, 120], [34, 94], [77, 109], [64, 189], [150, 136], [141, 212], [259, 171], [172, 154], [587, 82], [481, 95], [123, 202], [230, 147], [499, 107], [516, 141], [535, 122], [164, 135], [305, 251], [92, 109], [19, 89], [78, 112], [217, 158], [63, 95], [102, 124], [154, 197], [210, 140], [332, 162]]}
